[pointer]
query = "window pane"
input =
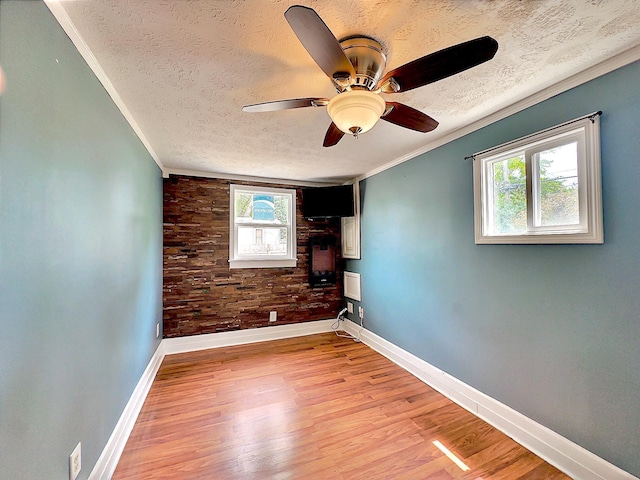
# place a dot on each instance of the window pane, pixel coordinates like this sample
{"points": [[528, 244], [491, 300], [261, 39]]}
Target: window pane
{"points": [[281, 209], [262, 241], [243, 207], [262, 208], [558, 192], [509, 195]]}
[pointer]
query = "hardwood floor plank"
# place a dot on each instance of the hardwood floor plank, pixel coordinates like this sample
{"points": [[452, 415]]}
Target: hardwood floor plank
{"points": [[315, 407]]}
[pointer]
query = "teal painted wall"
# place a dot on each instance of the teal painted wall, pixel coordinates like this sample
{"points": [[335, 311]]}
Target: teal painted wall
{"points": [[551, 330], [80, 252]]}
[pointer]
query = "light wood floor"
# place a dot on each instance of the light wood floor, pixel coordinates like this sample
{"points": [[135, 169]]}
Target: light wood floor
{"points": [[315, 407]]}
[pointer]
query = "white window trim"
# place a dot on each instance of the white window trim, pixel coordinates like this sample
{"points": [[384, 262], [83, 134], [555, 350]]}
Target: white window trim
{"points": [[590, 229], [257, 261]]}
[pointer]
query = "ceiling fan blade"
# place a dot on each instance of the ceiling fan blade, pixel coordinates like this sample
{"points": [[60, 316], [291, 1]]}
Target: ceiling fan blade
{"points": [[439, 65], [286, 104], [409, 117], [321, 44], [333, 136]]}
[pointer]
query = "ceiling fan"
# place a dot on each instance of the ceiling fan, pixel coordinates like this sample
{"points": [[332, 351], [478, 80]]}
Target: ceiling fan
{"points": [[356, 65]]}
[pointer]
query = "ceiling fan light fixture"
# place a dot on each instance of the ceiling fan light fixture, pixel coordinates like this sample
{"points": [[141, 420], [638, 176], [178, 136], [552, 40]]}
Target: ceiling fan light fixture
{"points": [[356, 111]]}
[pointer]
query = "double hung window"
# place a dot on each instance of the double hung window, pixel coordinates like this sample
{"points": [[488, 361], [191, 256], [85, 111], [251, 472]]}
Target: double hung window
{"points": [[262, 227]]}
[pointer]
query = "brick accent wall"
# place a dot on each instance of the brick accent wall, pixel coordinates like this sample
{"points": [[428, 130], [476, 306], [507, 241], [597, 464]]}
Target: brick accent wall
{"points": [[202, 295]]}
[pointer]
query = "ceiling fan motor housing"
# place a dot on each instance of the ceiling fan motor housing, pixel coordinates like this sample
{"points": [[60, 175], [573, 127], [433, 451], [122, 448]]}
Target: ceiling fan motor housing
{"points": [[368, 59]]}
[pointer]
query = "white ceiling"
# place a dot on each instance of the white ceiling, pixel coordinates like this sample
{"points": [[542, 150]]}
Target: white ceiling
{"points": [[182, 70]]}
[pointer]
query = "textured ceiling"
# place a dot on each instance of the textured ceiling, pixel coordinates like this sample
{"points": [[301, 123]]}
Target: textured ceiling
{"points": [[184, 69]]}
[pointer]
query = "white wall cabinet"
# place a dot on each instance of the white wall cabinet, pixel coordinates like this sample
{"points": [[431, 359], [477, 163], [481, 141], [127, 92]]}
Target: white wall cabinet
{"points": [[351, 229]]}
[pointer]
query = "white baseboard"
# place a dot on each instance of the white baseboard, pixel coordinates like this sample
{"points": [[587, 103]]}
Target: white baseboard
{"points": [[567, 456], [241, 337], [108, 460]]}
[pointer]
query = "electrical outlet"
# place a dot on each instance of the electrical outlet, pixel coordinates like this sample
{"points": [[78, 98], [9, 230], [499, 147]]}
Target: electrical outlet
{"points": [[157, 329], [349, 307], [273, 316], [75, 462], [361, 312]]}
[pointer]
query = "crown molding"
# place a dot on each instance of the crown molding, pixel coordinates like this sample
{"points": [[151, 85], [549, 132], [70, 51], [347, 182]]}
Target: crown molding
{"points": [[629, 56], [60, 14], [167, 172], [625, 58]]}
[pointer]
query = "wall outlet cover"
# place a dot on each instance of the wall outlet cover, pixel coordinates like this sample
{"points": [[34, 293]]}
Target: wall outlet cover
{"points": [[273, 316], [75, 462], [349, 307]]}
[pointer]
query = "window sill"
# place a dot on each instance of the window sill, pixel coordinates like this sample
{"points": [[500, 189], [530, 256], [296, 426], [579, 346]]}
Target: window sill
{"points": [[276, 263], [596, 237]]}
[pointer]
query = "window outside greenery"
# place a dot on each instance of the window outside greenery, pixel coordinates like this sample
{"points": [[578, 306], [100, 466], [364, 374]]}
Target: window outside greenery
{"points": [[510, 195], [557, 195], [556, 192]]}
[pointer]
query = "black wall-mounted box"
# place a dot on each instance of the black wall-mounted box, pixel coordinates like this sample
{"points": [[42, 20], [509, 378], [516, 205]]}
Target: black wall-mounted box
{"points": [[322, 260]]}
